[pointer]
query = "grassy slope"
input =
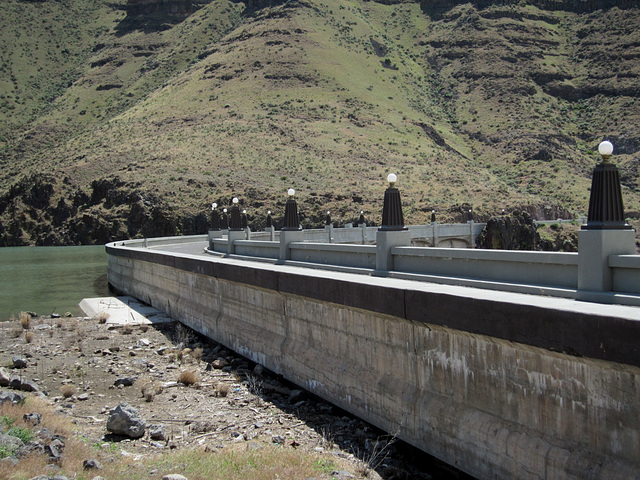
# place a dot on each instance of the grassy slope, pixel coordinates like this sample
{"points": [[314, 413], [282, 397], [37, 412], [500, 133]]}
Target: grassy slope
{"points": [[328, 97]]}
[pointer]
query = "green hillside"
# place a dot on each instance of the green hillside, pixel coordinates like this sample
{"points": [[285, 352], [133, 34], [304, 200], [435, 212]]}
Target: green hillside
{"points": [[116, 125]]}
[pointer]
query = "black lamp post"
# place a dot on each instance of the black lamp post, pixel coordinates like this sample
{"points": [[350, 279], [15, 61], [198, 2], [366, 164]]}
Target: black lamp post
{"points": [[225, 219], [236, 222], [392, 218], [361, 220], [215, 217], [269, 219], [291, 221], [606, 211], [328, 220], [245, 221]]}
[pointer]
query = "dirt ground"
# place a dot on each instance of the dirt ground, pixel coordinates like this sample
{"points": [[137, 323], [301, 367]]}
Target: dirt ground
{"points": [[193, 392]]}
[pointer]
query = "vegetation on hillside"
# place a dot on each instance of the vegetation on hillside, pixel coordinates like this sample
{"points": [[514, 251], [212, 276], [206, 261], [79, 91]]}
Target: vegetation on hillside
{"points": [[116, 126]]}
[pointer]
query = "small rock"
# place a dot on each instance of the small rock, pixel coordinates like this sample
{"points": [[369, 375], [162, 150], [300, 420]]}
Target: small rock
{"points": [[29, 386], [341, 475], [83, 396], [40, 477], [19, 362], [219, 363], [33, 418], [162, 350], [5, 378], [174, 476], [12, 397], [278, 439], [125, 420], [60, 477], [156, 432], [91, 464], [124, 381], [295, 396], [55, 315], [55, 448], [143, 342], [41, 326], [258, 370]]}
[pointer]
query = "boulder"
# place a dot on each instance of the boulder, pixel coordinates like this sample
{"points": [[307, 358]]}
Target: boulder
{"points": [[10, 397], [125, 420], [19, 362], [5, 378]]}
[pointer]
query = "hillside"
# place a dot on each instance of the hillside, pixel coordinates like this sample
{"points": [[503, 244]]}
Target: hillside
{"points": [[128, 119]]}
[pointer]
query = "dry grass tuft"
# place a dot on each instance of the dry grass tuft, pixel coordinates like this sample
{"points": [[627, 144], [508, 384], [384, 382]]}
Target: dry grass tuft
{"points": [[189, 377], [68, 391], [25, 320], [127, 330], [102, 317], [28, 336], [150, 388], [221, 389], [197, 354]]}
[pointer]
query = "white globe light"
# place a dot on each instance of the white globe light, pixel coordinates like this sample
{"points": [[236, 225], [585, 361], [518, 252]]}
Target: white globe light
{"points": [[225, 210], [291, 192], [392, 178], [244, 211], [214, 206], [268, 212], [605, 148], [235, 200]]}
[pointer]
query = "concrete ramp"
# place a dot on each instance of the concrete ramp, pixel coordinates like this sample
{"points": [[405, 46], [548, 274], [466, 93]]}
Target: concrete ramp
{"points": [[123, 311]]}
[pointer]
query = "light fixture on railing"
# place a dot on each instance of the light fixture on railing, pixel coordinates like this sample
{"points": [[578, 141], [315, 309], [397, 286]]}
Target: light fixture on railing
{"points": [[392, 217], [606, 210], [291, 220]]}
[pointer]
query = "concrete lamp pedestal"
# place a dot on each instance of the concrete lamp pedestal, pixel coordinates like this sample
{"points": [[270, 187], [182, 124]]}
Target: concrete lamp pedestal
{"points": [[232, 237], [594, 247], [287, 237], [385, 241], [214, 234]]}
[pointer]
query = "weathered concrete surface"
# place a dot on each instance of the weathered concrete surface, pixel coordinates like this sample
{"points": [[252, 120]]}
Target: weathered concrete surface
{"points": [[419, 359]]}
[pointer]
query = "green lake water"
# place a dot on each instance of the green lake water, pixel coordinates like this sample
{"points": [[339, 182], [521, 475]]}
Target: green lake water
{"points": [[50, 280]]}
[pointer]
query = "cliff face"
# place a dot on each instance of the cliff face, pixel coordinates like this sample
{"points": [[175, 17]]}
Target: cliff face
{"points": [[575, 6], [169, 7]]}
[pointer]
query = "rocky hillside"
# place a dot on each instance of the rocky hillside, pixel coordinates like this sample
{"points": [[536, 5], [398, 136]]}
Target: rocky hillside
{"points": [[128, 118]]}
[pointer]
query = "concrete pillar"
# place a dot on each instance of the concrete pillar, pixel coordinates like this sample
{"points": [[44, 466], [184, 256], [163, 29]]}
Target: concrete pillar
{"points": [[385, 241], [232, 237], [594, 248], [329, 230], [272, 232], [363, 229], [434, 238], [247, 233], [213, 234], [287, 237]]}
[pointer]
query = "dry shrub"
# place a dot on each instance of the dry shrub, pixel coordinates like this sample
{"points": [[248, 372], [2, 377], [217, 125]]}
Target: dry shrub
{"points": [[68, 391], [144, 327], [28, 337], [150, 389], [102, 317], [197, 354], [189, 377], [25, 320], [222, 389], [127, 330]]}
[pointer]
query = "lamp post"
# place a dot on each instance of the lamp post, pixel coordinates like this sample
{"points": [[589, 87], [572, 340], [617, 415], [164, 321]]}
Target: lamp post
{"points": [[392, 217], [605, 233], [225, 220], [215, 217], [236, 221], [392, 233], [605, 202], [291, 230], [291, 220]]}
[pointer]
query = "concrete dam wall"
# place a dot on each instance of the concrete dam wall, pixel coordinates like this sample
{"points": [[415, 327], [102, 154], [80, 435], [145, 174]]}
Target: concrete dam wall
{"points": [[499, 385]]}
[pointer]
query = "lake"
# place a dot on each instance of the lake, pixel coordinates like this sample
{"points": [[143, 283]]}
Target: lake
{"points": [[50, 280]]}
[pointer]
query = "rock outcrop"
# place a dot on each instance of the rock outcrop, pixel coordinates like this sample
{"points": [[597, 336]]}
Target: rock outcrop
{"points": [[515, 231], [168, 7]]}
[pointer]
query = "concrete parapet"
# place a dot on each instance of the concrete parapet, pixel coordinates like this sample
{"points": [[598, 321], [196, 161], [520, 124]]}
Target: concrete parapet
{"points": [[232, 238], [500, 385], [286, 238]]}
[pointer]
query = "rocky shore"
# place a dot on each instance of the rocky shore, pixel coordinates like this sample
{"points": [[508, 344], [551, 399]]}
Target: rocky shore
{"points": [[145, 390]]}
